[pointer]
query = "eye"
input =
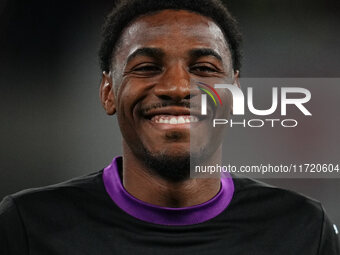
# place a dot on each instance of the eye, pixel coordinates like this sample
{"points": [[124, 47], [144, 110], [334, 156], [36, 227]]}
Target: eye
{"points": [[147, 68], [203, 69]]}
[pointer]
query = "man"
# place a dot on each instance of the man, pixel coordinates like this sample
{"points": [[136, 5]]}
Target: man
{"points": [[145, 202]]}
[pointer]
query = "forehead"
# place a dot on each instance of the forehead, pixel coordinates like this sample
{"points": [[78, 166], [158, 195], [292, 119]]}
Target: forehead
{"points": [[173, 31]]}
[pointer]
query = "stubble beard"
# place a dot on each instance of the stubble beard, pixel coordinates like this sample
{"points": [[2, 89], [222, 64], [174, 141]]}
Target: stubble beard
{"points": [[172, 168]]}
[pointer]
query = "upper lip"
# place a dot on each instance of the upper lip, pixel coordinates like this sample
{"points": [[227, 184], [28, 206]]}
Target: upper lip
{"points": [[171, 110]]}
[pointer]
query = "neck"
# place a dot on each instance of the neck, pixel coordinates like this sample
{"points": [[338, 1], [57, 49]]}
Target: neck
{"points": [[140, 183]]}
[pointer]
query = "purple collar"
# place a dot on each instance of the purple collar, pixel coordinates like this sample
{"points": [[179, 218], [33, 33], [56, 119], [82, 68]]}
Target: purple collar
{"points": [[165, 215]]}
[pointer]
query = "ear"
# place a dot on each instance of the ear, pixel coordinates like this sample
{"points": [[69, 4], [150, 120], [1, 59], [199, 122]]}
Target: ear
{"points": [[106, 94], [236, 82], [237, 78]]}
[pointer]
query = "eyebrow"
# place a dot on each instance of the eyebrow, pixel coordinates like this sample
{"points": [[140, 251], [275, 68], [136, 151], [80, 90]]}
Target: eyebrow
{"points": [[203, 52], [148, 52]]}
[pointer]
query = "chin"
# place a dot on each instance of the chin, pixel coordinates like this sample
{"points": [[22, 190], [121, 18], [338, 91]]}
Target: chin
{"points": [[171, 164]]}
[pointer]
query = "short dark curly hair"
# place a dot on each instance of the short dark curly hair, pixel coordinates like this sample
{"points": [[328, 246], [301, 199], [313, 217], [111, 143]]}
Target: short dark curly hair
{"points": [[126, 11]]}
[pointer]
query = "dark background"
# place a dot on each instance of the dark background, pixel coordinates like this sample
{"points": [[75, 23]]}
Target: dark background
{"points": [[52, 125]]}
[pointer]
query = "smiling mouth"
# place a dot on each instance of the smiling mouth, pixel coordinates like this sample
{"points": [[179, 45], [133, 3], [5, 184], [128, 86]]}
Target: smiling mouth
{"points": [[173, 116], [174, 119]]}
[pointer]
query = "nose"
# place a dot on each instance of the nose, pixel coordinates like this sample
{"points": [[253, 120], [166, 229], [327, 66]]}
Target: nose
{"points": [[174, 84]]}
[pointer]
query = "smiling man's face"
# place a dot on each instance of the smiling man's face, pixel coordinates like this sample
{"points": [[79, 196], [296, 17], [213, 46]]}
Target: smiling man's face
{"points": [[156, 64]]}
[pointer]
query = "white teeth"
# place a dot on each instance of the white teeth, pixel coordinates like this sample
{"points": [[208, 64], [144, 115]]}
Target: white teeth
{"points": [[173, 120], [180, 120]]}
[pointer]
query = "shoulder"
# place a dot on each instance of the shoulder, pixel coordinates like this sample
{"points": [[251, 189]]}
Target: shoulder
{"points": [[28, 218], [53, 196], [88, 181], [258, 190], [275, 201], [275, 212]]}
